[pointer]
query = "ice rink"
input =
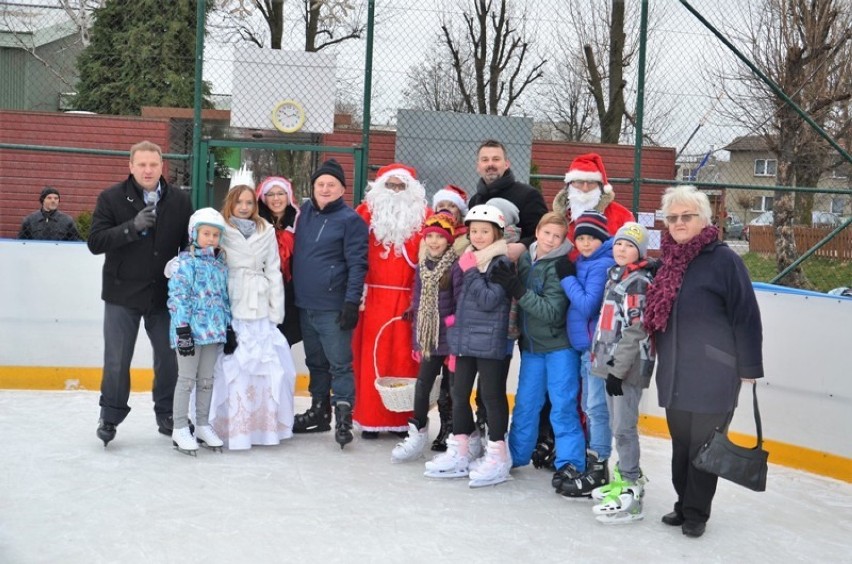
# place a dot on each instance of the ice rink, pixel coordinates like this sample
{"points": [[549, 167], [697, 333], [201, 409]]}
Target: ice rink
{"points": [[66, 499]]}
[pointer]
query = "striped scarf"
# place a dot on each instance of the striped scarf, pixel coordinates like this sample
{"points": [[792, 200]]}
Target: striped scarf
{"points": [[428, 317]]}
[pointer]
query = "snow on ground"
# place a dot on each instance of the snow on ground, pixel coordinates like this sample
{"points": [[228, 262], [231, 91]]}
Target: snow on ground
{"points": [[64, 498]]}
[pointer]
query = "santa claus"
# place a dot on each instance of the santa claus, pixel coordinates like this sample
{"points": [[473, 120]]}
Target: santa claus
{"points": [[587, 189], [394, 208]]}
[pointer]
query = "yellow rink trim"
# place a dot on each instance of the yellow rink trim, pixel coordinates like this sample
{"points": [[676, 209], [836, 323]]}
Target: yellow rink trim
{"points": [[75, 378]]}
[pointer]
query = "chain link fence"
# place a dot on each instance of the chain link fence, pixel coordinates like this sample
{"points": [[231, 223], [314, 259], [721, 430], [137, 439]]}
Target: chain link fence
{"points": [[549, 79]]}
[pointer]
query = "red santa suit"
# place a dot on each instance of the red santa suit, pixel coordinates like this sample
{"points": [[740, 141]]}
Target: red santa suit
{"points": [[388, 287]]}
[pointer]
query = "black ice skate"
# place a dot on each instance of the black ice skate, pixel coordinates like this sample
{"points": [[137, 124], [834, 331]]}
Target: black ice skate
{"points": [[106, 432], [595, 476], [343, 423], [165, 424], [317, 419], [445, 410]]}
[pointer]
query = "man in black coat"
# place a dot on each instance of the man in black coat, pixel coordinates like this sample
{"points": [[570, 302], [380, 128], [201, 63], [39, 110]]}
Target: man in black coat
{"points": [[48, 223], [140, 224], [498, 181]]}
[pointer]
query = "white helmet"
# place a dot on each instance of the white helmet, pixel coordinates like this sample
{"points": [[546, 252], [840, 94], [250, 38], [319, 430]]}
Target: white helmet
{"points": [[485, 212], [205, 216]]}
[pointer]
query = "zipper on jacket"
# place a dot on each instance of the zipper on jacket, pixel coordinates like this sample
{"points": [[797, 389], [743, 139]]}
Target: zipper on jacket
{"points": [[320, 231]]}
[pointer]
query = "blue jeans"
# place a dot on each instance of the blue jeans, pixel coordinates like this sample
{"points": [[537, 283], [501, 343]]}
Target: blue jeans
{"points": [[121, 327], [594, 406], [555, 374], [328, 355]]}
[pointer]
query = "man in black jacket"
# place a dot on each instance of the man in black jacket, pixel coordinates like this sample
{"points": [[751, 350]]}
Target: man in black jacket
{"points": [[140, 224], [498, 181], [48, 223]]}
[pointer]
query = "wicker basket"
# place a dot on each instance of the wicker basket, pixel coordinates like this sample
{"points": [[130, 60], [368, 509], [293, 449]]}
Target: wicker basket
{"points": [[397, 392]]}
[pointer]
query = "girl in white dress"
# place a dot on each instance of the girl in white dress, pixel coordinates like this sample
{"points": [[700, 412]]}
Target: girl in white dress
{"points": [[253, 388]]}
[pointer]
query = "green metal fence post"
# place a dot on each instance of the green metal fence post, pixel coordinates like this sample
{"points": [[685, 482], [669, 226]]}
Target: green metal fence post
{"points": [[640, 107], [361, 172], [197, 163]]}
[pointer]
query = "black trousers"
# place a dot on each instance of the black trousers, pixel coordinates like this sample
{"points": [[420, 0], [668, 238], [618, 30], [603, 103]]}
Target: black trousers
{"points": [[429, 370], [492, 388], [695, 489]]}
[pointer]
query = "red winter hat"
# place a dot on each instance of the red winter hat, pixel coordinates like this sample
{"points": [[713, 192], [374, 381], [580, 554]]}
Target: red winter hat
{"points": [[451, 193], [401, 171], [588, 167]]}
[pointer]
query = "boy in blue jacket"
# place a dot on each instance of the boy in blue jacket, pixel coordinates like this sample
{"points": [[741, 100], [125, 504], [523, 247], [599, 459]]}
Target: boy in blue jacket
{"points": [[585, 291]]}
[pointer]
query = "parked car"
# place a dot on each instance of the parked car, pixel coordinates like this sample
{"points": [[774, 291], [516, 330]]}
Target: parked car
{"points": [[733, 228], [824, 219], [764, 218]]}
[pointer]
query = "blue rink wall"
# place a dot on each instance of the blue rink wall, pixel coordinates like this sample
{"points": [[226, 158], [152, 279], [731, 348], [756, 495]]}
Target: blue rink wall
{"points": [[51, 338]]}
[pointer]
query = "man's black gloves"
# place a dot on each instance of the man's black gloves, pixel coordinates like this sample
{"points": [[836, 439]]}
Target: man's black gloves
{"points": [[564, 268], [230, 341], [185, 342], [145, 219], [348, 318], [613, 385], [503, 275]]}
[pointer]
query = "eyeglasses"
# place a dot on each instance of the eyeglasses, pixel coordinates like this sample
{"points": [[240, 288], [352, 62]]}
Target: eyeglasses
{"points": [[684, 217], [395, 186], [276, 195]]}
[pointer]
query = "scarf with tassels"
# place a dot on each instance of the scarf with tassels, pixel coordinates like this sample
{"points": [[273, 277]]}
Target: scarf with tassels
{"points": [[675, 259], [428, 316]]}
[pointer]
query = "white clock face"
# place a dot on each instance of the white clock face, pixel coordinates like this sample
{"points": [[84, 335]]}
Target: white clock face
{"points": [[288, 116]]}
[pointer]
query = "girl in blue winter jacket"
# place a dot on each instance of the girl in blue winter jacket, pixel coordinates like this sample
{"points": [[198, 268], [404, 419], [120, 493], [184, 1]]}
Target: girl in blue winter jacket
{"points": [[437, 283], [200, 323], [477, 338]]}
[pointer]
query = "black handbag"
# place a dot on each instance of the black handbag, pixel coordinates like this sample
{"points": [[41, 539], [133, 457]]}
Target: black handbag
{"points": [[741, 465]]}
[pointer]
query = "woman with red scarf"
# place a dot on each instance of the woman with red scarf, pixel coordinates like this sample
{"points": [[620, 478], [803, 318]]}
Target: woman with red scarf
{"points": [[706, 324]]}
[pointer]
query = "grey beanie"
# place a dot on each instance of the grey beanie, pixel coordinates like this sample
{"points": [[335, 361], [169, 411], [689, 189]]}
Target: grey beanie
{"points": [[510, 211], [636, 234]]}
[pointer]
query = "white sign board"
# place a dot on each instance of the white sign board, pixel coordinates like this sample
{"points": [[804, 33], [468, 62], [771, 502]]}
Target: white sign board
{"points": [[265, 77]]}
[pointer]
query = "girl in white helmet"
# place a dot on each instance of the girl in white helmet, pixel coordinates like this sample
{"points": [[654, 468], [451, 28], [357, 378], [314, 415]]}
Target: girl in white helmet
{"points": [[200, 323], [477, 337]]}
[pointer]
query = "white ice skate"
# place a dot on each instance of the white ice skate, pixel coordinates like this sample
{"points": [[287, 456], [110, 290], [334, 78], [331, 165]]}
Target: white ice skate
{"points": [[476, 451], [184, 442], [617, 482], [453, 463], [413, 446], [494, 469], [623, 505], [208, 438]]}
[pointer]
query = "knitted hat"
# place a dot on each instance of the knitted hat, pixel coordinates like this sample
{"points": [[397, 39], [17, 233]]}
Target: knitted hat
{"points": [[401, 171], [510, 210], [588, 167], [636, 234], [451, 193], [591, 223], [271, 181], [331, 167], [442, 224], [47, 191]]}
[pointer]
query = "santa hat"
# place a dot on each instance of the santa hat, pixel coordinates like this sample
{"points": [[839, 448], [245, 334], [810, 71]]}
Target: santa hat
{"points": [[591, 223], [270, 182], [451, 193], [242, 177], [442, 224], [401, 171], [588, 167]]}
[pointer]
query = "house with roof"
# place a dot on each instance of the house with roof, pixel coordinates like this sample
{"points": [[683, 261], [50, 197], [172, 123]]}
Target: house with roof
{"points": [[38, 55]]}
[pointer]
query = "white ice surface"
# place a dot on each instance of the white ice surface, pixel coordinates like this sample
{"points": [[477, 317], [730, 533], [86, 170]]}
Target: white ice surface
{"points": [[64, 498]]}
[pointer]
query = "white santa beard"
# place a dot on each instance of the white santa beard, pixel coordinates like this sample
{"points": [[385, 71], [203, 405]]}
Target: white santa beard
{"points": [[581, 202], [396, 216]]}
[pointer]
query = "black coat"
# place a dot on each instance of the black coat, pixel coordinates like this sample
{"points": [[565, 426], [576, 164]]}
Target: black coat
{"points": [[133, 268], [714, 335], [52, 226], [530, 202]]}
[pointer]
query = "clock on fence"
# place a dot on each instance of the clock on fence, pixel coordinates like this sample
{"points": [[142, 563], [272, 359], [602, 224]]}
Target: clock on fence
{"points": [[288, 116]]}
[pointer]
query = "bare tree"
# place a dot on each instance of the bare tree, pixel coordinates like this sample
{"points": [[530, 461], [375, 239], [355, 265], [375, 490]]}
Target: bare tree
{"points": [[566, 95], [81, 12], [496, 47], [262, 22], [803, 46], [433, 84]]}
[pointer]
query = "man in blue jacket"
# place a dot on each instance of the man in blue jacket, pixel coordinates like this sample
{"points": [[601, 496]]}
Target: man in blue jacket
{"points": [[329, 266], [140, 224]]}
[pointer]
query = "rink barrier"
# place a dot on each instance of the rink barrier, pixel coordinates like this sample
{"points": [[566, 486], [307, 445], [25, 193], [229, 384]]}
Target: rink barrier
{"points": [[51, 338]]}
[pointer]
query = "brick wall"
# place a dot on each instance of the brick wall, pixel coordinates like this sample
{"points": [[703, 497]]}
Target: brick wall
{"points": [[78, 177]]}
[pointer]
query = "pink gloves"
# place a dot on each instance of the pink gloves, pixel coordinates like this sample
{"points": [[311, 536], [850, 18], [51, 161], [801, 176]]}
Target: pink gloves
{"points": [[415, 356], [450, 320], [467, 261]]}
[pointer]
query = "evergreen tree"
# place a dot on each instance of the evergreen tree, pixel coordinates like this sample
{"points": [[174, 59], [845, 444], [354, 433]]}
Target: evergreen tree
{"points": [[142, 53]]}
